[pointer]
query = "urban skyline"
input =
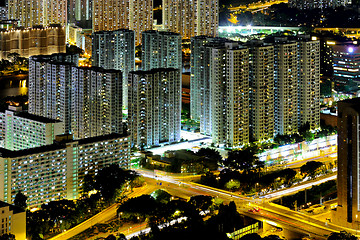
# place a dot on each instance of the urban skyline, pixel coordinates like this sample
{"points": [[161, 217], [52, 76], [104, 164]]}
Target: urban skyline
{"points": [[135, 123]]}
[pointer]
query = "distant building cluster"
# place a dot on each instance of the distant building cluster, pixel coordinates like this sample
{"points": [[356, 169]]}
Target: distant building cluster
{"points": [[254, 90], [32, 41], [311, 4]]}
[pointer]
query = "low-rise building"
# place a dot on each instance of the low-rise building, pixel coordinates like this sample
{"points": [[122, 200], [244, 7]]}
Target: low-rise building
{"points": [[56, 171], [21, 130], [13, 220]]}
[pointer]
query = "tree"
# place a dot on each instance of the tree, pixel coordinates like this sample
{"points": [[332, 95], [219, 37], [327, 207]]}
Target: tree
{"points": [[7, 236], [251, 236], [232, 185], [310, 168], [161, 196], [110, 237], [243, 160], [112, 178], [272, 237], [20, 200], [201, 202], [14, 57], [343, 235], [212, 158]]}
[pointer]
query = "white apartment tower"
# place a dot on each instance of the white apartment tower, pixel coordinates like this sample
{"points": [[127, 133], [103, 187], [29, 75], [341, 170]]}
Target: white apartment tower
{"points": [[229, 94], [87, 100], [136, 15], [49, 89], [261, 78], [115, 50], [286, 86], [38, 12], [197, 69], [96, 102], [161, 50], [191, 17], [309, 82], [154, 107]]}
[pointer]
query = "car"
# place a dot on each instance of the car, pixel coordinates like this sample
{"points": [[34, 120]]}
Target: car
{"points": [[254, 209]]}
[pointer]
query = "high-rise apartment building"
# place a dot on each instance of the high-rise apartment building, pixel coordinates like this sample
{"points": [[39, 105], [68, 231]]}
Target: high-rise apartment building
{"points": [[282, 77], [38, 12], [79, 11], [229, 79], [191, 17], [154, 107], [196, 76], [136, 15], [21, 130], [33, 41], [87, 100], [309, 82], [96, 102], [286, 86], [348, 178], [115, 50], [261, 80], [161, 50], [56, 171]]}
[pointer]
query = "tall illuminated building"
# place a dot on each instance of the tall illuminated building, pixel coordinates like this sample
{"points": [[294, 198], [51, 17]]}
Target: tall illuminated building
{"points": [[229, 81], [161, 50], [136, 15], [38, 12], [286, 86], [87, 100], [261, 80], [348, 189], [196, 76], [191, 18], [154, 107], [309, 82], [115, 50], [49, 89], [346, 65]]}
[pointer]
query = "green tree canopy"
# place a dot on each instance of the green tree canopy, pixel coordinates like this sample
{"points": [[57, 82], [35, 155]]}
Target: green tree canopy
{"points": [[310, 168], [343, 235], [20, 200]]}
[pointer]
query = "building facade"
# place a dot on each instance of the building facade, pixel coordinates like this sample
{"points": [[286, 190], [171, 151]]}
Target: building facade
{"points": [[96, 102], [346, 66], [33, 41], [161, 50], [309, 83], [87, 100], [191, 18], [37, 12], [111, 15], [286, 86], [261, 80], [21, 130], [348, 177], [154, 107], [56, 171], [115, 50], [13, 220]]}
